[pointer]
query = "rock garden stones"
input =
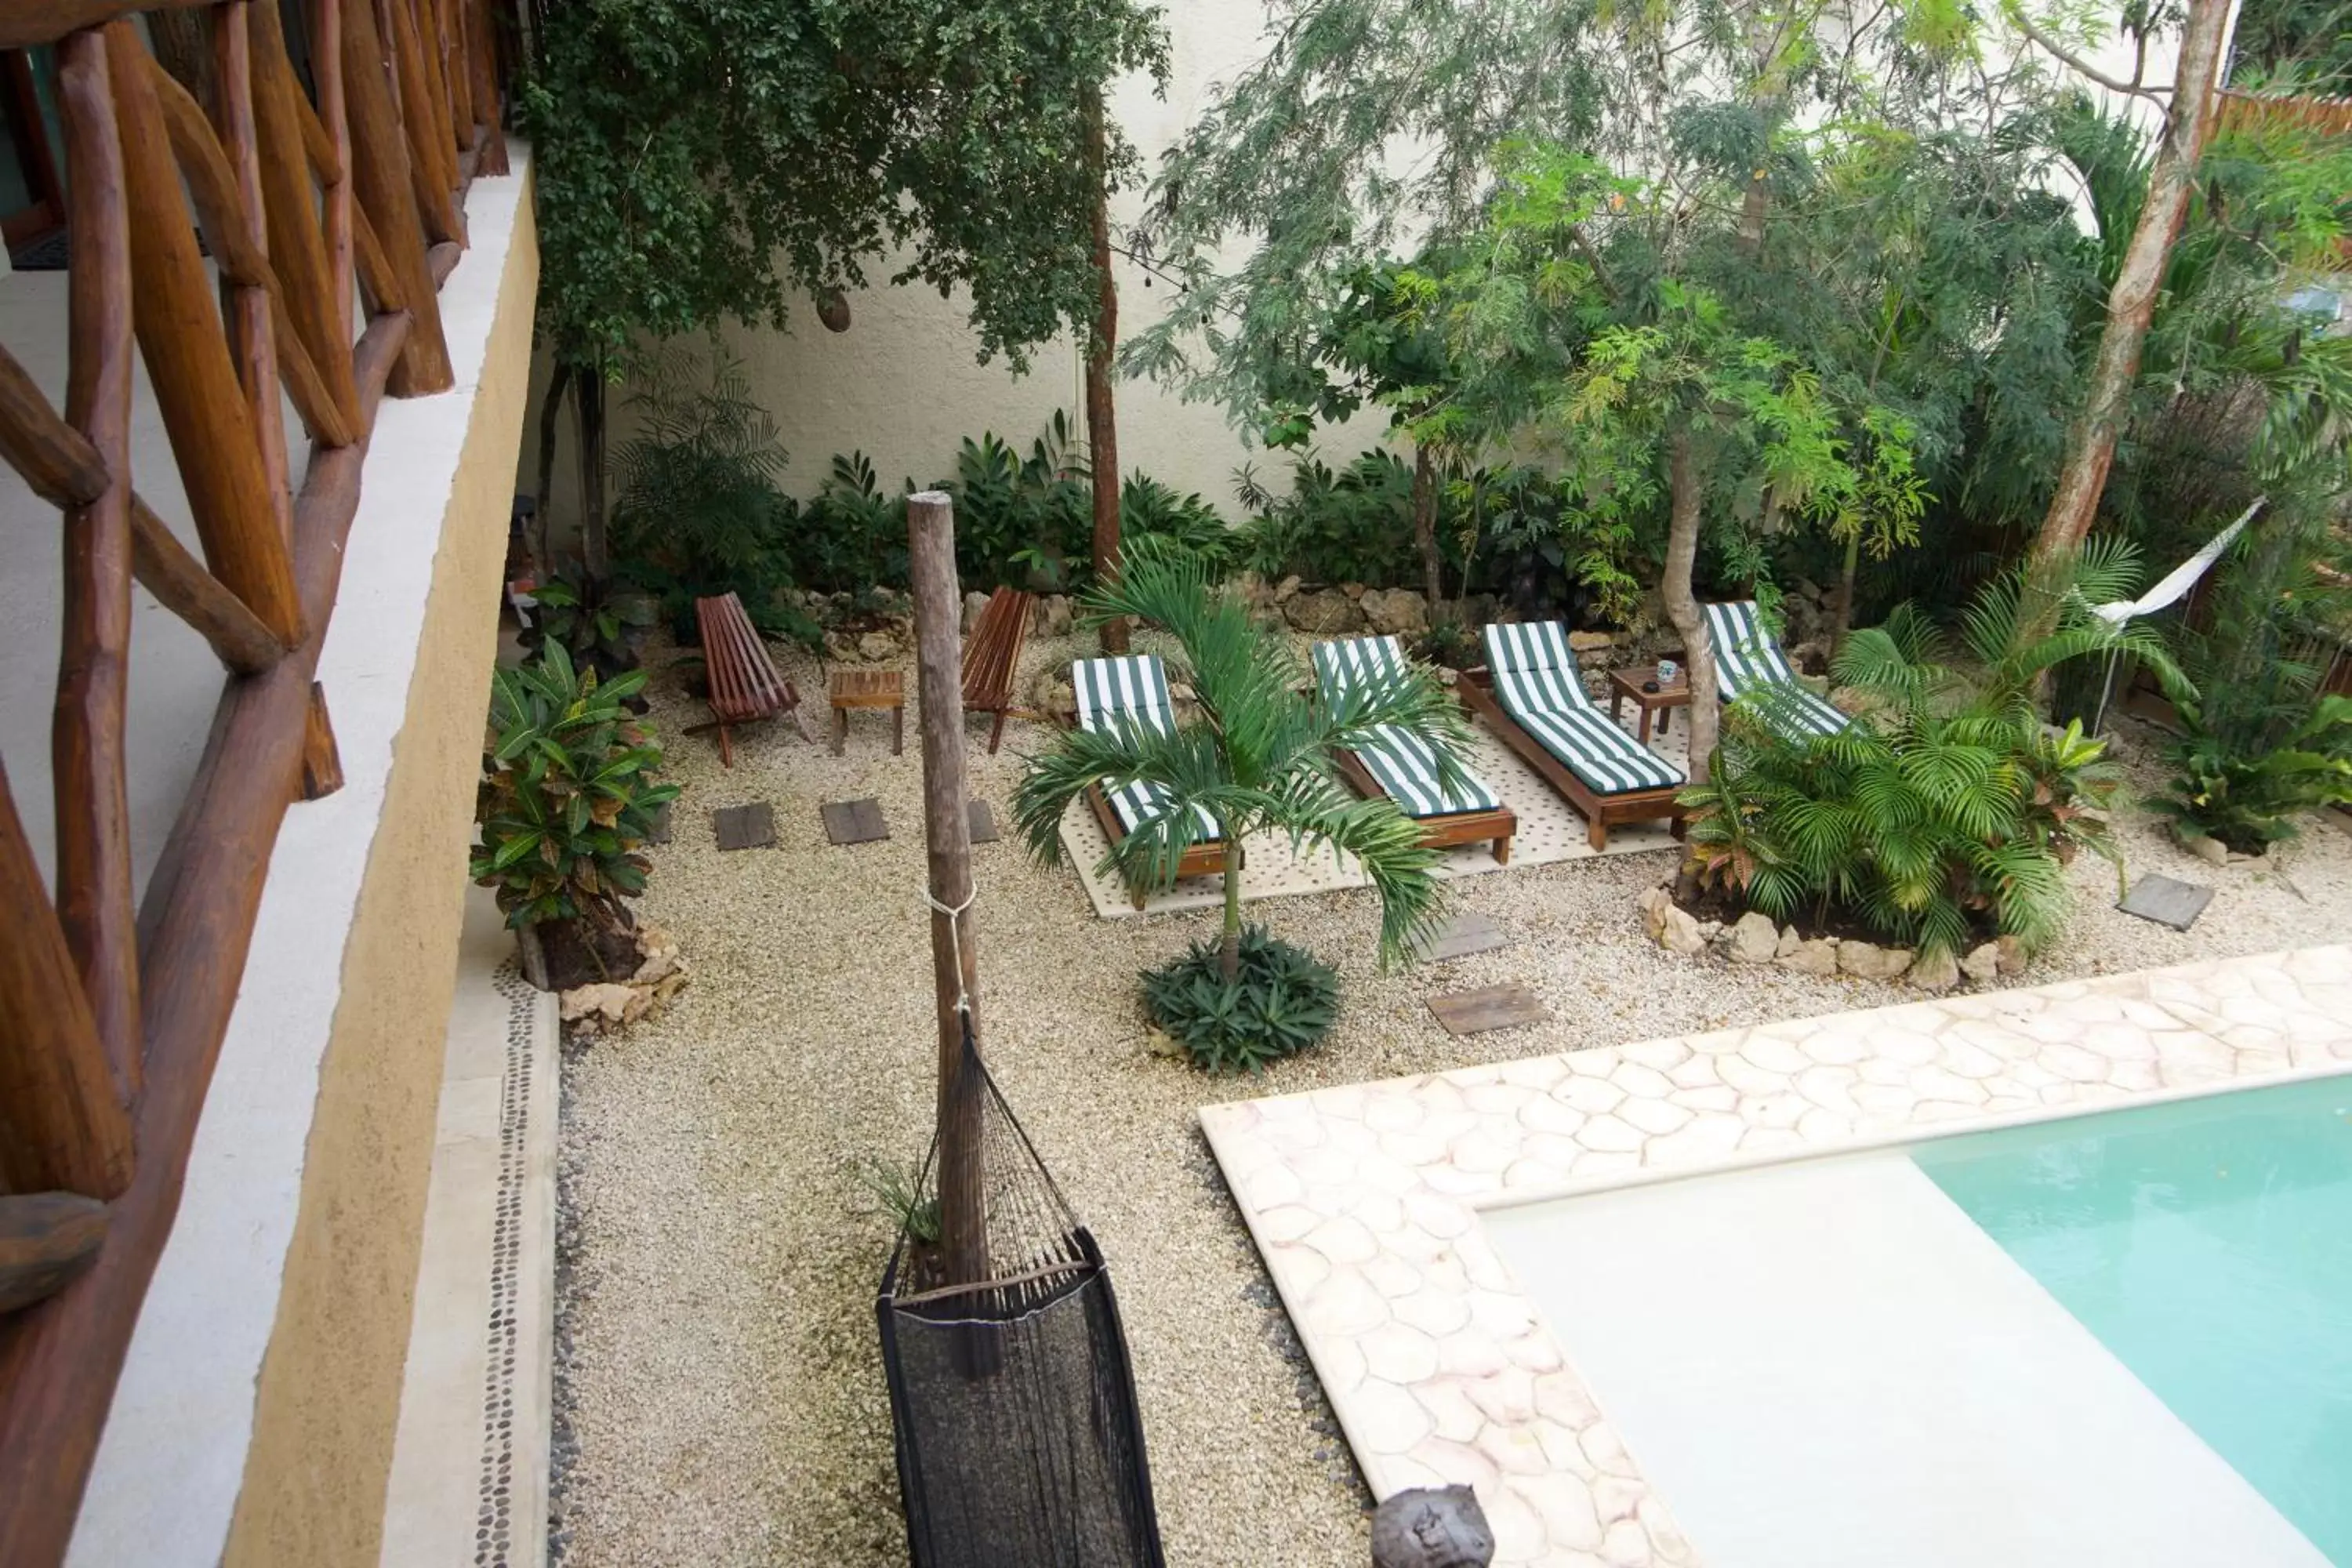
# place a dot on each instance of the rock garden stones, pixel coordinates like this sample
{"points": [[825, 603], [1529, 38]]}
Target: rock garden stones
{"points": [[1755, 939], [1868, 960]]}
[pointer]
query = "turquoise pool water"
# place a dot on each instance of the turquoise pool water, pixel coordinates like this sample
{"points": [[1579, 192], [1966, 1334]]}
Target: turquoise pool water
{"points": [[2208, 1245]]}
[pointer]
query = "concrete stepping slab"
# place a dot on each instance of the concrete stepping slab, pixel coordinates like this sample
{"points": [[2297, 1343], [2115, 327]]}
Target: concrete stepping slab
{"points": [[1490, 1007], [2166, 900], [745, 827], [853, 821], [1465, 933]]}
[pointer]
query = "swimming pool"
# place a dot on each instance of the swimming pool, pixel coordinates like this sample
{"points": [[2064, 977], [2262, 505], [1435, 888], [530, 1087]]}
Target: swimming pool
{"points": [[2118, 1339], [2208, 1244]]}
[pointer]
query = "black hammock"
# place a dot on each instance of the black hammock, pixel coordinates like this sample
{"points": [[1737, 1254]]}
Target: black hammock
{"points": [[1012, 1401]]}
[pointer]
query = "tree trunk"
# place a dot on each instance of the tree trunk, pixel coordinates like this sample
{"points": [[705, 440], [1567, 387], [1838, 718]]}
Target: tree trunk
{"points": [[588, 401], [551, 414], [1102, 418], [1425, 526], [2131, 303], [1229, 955], [1682, 605], [1841, 612]]}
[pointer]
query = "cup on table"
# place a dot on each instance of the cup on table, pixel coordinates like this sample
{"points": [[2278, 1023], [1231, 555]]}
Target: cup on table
{"points": [[1667, 670]]}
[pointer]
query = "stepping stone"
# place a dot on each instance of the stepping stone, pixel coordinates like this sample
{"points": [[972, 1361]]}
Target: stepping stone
{"points": [[984, 822], [2166, 900], [745, 827], [854, 821], [1465, 933], [1491, 1007], [657, 826]]}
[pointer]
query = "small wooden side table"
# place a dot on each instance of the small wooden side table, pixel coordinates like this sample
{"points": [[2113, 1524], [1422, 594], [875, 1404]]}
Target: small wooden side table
{"points": [[868, 689], [1624, 683]]}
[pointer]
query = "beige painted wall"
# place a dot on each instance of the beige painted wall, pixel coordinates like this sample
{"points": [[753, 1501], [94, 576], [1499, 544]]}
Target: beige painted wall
{"points": [[329, 1394], [902, 384]]}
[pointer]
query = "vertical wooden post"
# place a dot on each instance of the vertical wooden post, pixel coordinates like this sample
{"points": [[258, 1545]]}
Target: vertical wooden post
{"points": [[456, 72], [93, 811], [327, 70], [432, 165], [484, 54], [947, 833], [298, 253], [195, 382], [380, 179], [249, 323], [60, 1126]]}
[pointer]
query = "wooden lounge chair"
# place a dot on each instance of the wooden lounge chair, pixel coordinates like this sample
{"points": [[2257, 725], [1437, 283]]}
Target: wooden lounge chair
{"points": [[1749, 664], [1398, 765], [1134, 691], [1532, 696], [745, 684], [992, 656]]}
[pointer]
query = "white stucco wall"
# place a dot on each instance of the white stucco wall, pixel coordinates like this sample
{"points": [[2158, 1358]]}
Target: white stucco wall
{"points": [[902, 384]]}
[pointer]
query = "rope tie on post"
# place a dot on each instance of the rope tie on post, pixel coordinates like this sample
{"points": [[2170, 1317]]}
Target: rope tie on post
{"points": [[955, 946]]}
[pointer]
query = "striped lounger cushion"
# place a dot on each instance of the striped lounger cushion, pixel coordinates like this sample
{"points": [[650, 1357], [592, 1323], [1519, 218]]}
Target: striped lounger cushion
{"points": [[1537, 683], [1131, 690], [1748, 660], [1404, 763]]}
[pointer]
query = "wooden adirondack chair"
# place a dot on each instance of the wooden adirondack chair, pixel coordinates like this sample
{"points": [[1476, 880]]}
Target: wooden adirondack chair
{"points": [[745, 684], [992, 656]]}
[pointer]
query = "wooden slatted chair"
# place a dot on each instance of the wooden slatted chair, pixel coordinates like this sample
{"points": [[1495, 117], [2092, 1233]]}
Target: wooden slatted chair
{"points": [[1532, 696], [745, 684], [1399, 765], [992, 657]]}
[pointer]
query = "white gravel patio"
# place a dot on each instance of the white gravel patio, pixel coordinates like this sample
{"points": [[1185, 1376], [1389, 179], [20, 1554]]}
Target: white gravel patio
{"points": [[719, 1397]]}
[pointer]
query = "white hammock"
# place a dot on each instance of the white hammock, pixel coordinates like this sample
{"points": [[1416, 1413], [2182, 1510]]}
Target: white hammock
{"points": [[2174, 585]]}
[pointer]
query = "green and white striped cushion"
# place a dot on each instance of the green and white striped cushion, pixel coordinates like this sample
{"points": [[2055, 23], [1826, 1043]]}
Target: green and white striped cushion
{"points": [[1114, 692], [1537, 683], [1404, 762], [1748, 660]]}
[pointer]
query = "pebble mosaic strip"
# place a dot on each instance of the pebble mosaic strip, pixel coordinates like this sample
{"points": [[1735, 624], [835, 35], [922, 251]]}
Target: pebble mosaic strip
{"points": [[1364, 1199]]}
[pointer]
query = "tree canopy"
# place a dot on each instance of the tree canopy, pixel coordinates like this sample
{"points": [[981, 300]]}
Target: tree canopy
{"points": [[700, 159]]}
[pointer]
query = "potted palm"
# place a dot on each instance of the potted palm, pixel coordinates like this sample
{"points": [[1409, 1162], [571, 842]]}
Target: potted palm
{"points": [[1255, 755]]}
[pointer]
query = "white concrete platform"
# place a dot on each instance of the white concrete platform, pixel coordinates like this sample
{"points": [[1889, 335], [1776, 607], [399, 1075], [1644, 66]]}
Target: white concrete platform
{"points": [[1828, 1364], [469, 1464]]}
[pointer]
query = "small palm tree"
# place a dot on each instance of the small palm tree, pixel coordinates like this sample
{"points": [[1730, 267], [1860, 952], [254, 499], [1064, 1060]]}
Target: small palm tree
{"points": [[1949, 799], [1257, 757]]}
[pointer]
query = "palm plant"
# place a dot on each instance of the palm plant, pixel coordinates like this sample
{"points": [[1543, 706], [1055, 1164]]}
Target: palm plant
{"points": [[1258, 756], [1949, 802]]}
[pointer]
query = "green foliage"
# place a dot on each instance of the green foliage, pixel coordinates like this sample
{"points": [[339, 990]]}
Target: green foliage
{"points": [[1950, 811], [703, 158], [2258, 745], [1021, 519], [699, 512], [896, 1189], [1351, 526], [1256, 756], [1282, 1000], [566, 795], [598, 627], [1148, 508], [850, 535]]}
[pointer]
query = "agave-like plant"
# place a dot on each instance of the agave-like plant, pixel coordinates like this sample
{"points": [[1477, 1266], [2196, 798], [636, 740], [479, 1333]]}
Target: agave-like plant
{"points": [[1256, 756], [1949, 799]]}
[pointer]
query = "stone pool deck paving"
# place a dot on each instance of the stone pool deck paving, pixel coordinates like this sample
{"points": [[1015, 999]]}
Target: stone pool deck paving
{"points": [[1364, 1198]]}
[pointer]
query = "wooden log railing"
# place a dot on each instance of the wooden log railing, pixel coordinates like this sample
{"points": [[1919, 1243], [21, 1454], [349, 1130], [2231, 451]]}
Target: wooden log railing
{"points": [[117, 1002]]}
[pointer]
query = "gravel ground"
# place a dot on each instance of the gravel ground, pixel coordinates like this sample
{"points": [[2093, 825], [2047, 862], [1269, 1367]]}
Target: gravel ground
{"points": [[719, 1397]]}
